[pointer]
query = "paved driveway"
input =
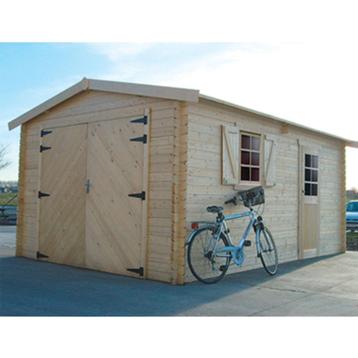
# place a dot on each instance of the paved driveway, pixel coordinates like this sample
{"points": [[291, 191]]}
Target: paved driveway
{"points": [[328, 286], [7, 240]]}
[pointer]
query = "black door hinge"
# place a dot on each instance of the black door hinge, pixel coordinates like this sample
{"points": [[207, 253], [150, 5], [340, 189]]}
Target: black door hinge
{"points": [[138, 195], [139, 139], [39, 255], [45, 132], [143, 120], [43, 148], [139, 270], [41, 194]]}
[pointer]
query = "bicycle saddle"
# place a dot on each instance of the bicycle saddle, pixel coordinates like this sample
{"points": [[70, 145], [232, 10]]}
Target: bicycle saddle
{"points": [[214, 209]]}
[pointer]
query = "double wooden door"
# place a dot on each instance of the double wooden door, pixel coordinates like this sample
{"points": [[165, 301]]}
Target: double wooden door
{"points": [[89, 216]]}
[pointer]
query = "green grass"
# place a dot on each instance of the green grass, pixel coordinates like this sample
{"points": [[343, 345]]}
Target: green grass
{"points": [[5, 197], [352, 235]]}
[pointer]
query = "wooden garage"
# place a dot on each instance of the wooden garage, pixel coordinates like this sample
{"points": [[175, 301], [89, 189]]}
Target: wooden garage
{"points": [[111, 175]]}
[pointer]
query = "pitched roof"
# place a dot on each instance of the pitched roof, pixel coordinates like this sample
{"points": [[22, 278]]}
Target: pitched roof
{"points": [[349, 143], [85, 84], [174, 93]]}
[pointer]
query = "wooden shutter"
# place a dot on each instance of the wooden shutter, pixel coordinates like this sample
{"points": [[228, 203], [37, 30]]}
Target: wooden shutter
{"points": [[230, 155], [270, 145]]}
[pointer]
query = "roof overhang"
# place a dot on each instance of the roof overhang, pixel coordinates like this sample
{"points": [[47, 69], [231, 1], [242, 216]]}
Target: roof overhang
{"points": [[352, 143], [173, 93], [348, 143]]}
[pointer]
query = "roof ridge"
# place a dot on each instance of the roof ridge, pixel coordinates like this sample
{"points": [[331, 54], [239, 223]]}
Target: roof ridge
{"points": [[173, 93]]}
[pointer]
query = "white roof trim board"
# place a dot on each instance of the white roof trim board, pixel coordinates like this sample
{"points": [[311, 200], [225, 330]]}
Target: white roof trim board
{"points": [[174, 93], [349, 143]]}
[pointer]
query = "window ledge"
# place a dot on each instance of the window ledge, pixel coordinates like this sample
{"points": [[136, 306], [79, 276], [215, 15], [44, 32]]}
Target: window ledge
{"points": [[247, 185]]}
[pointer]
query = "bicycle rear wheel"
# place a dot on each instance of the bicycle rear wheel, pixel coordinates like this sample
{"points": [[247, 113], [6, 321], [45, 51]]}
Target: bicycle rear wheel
{"points": [[206, 267], [268, 251]]}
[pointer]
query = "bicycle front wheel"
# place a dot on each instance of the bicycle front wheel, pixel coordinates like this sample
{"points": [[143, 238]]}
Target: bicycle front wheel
{"points": [[268, 251], [203, 263]]}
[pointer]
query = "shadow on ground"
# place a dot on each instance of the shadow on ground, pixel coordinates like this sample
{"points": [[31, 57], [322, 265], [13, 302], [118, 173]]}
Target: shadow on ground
{"points": [[32, 288]]}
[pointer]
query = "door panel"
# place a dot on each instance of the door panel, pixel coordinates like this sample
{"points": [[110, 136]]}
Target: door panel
{"points": [[309, 202], [62, 214], [113, 219], [310, 232]]}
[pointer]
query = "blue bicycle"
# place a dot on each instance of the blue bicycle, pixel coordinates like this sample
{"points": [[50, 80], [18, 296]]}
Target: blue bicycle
{"points": [[210, 249]]}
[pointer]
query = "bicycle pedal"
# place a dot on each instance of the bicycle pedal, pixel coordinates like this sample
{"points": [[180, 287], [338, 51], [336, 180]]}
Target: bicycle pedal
{"points": [[247, 243]]}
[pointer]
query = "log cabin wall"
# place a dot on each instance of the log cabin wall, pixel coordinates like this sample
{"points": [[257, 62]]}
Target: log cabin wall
{"points": [[185, 174], [205, 187], [93, 106]]}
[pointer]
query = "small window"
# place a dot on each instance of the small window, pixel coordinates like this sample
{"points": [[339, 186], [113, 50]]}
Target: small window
{"points": [[250, 157], [311, 175]]}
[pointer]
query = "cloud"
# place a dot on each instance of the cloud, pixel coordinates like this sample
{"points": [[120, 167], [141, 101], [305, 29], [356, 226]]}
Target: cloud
{"points": [[172, 63], [310, 83], [116, 51]]}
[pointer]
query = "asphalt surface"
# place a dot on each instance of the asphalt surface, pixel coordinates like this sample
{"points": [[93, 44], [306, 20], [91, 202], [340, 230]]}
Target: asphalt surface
{"points": [[7, 240], [315, 287]]}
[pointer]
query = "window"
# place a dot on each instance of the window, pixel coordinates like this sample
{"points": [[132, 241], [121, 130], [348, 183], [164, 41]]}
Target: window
{"points": [[250, 157], [311, 175]]}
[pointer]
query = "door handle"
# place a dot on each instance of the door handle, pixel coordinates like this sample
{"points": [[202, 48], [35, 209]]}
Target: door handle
{"points": [[88, 186]]}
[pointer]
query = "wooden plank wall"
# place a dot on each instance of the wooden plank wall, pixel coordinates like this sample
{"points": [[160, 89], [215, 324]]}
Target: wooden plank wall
{"points": [[332, 216], [160, 264], [179, 192], [94, 106], [281, 209], [21, 196], [185, 175], [343, 199]]}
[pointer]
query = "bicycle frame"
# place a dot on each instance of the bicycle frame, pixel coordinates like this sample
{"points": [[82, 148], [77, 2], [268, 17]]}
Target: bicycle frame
{"points": [[220, 227]]}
